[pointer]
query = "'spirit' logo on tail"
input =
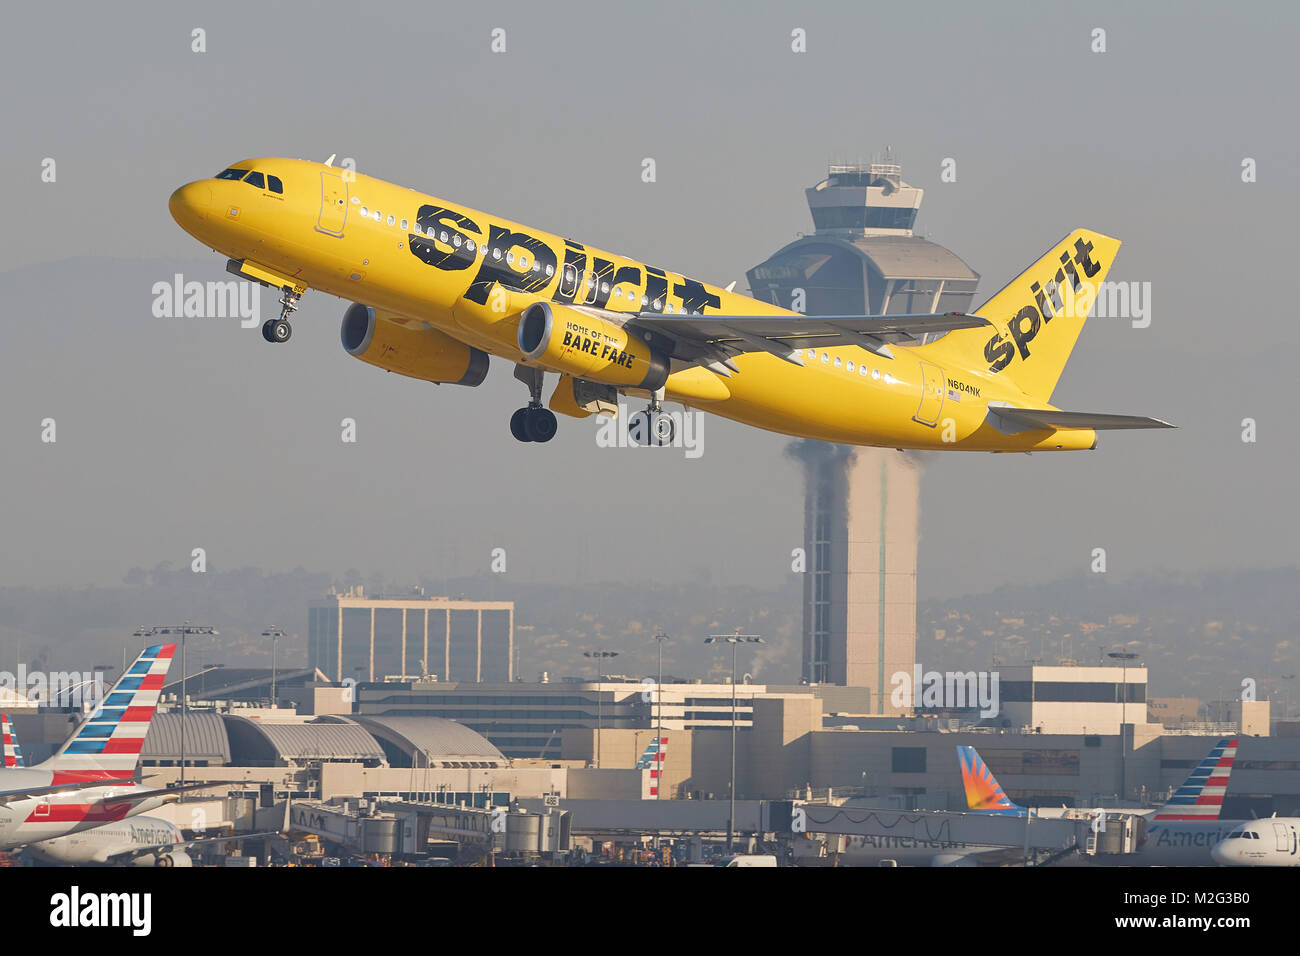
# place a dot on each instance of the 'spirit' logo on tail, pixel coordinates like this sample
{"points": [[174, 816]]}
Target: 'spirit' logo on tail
{"points": [[1048, 303]]}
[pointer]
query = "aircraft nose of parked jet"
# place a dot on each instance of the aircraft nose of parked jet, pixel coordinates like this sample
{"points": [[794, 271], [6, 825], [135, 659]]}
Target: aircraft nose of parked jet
{"points": [[190, 204], [1223, 855]]}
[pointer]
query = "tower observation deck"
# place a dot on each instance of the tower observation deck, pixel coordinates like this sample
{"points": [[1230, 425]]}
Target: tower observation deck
{"points": [[862, 505]]}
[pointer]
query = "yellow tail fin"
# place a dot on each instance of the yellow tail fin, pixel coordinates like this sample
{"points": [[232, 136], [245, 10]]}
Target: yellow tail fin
{"points": [[1037, 316]]}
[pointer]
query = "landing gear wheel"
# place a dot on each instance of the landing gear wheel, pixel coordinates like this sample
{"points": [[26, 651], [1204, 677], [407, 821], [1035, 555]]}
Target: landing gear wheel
{"points": [[279, 330], [518, 425], [540, 424], [663, 429]]}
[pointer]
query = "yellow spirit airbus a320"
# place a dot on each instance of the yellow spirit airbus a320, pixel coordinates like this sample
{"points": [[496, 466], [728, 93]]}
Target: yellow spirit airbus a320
{"points": [[437, 287]]}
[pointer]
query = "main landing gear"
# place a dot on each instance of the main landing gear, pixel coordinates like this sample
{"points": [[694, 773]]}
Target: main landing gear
{"points": [[652, 426], [533, 423], [279, 330]]}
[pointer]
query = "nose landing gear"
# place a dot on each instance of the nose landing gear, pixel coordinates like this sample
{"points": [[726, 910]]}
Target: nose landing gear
{"points": [[533, 423], [279, 330]]}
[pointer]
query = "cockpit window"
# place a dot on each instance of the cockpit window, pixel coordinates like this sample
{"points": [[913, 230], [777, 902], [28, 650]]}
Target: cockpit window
{"points": [[274, 184], [256, 179], [232, 173]]}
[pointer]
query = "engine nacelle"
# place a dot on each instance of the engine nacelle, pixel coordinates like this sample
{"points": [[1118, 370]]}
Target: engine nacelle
{"points": [[164, 858], [589, 347], [424, 353]]}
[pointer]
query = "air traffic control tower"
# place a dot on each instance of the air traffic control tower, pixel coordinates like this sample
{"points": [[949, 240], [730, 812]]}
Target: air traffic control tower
{"points": [[862, 505]]}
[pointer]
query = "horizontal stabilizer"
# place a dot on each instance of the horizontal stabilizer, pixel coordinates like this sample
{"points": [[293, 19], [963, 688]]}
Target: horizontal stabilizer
{"points": [[1012, 421]]}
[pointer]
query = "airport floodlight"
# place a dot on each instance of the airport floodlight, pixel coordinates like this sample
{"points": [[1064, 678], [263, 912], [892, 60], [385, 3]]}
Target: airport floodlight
{"points": [[274, 633], [184, 630], [599, 656], [733, 639]]}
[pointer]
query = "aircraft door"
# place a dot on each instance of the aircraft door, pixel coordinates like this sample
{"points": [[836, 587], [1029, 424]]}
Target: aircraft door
{"points": [[1283, 839], [333, 203], [569, 280], [932, 392]]}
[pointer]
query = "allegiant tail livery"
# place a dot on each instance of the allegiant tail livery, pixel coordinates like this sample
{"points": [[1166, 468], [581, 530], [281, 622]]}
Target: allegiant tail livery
{"points": [[437, 287]]}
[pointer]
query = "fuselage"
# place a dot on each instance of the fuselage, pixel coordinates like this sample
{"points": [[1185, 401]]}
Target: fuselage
{"points": [[103, 843], [470, 274], [1271, 842], [33, 819]]}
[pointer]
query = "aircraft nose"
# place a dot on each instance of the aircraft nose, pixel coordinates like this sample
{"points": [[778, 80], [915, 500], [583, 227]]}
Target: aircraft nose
{"points": [[190, 204], [1222, 855]]}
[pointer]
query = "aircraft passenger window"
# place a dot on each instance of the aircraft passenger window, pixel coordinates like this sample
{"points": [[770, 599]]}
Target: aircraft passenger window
{"points": [[443, 235], [850, 366], [456, 241], [255, 179], [273, 183], [618, 293], [404, 225], [862, 370], [604, 287], [826, 357], [669, 308], [390, 220], [496, 253], [365, 211], [837, 361], [232, 174], [875, 374], [537, 266], [889, 379], [550, 271], [659, 303]]}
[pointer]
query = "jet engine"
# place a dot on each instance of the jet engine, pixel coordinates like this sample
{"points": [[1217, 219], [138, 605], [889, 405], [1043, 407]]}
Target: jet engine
{"points": [[589, 347], [388, 342]]}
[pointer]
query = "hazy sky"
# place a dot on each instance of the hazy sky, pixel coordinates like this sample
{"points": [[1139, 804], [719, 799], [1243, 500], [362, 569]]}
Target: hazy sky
{"points": [[183, 433]]}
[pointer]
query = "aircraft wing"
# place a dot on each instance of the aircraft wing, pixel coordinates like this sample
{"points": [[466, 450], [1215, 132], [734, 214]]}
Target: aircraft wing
{"points": [[135, 796], [127, 796], [26, 793], [127, 855], [1010, 421], [716, 337]]}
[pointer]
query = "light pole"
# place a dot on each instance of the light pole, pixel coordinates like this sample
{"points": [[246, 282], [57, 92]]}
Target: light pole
{"points": [[659, 639], [600, 657], [184, 630], [733, 640], [274, 633], [1123, 657]]}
